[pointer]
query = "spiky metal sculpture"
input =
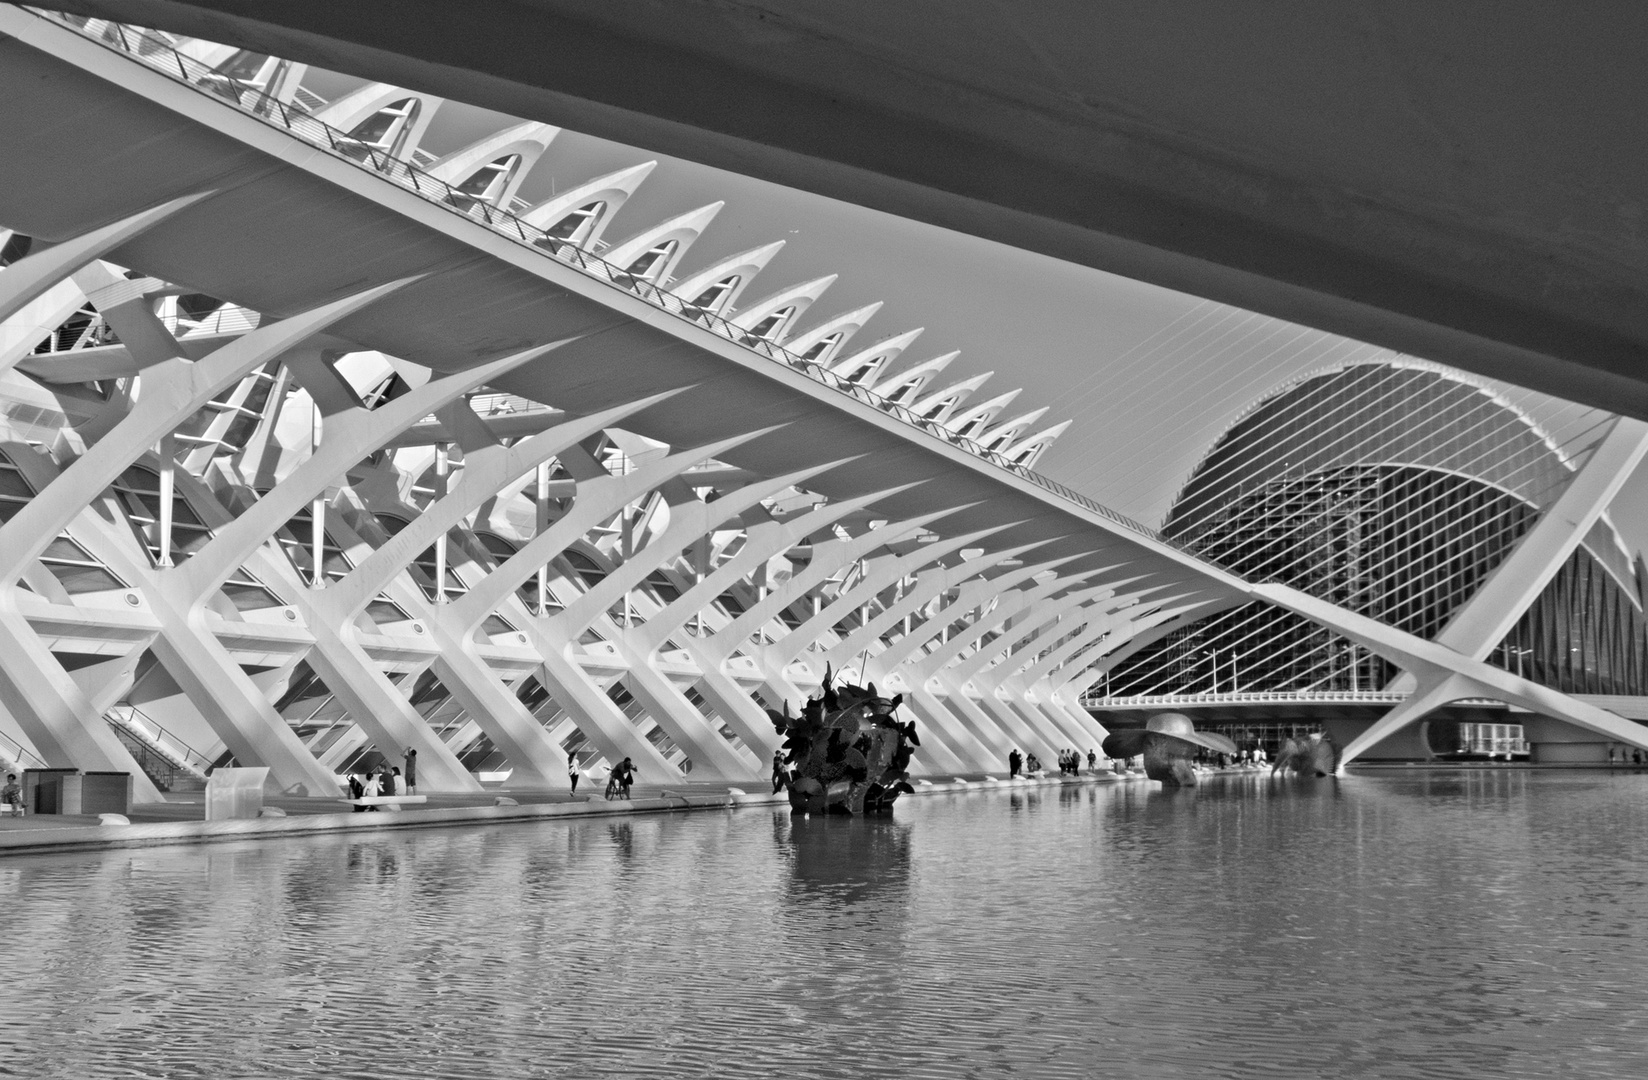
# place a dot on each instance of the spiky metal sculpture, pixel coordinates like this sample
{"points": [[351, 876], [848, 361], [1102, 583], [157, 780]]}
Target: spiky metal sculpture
{"points": [[849, 752]]}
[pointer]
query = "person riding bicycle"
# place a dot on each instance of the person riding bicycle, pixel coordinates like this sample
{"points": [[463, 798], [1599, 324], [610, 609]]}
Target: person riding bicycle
{"points": [[623, 775]]}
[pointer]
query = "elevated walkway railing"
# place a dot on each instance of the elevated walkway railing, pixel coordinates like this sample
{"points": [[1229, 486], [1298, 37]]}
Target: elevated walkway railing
{"points": [[157, 53], [1261, 697], [1350, 697]]}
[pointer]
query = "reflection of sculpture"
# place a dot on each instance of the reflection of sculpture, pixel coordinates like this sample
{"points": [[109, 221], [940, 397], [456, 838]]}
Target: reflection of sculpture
{"points": [[1167, 742], [1312, 755], [849, 753]]}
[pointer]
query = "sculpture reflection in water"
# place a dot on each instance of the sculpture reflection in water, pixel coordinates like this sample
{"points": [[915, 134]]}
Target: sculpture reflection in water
{"points": [[850, 754], [837, 862], [1168, 742]]}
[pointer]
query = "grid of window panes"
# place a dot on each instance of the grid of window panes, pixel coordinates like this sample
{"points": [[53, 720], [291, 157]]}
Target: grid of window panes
{"points": [[297, 538], [424, 566], [502, 551], [138, 492], [72, 565]]}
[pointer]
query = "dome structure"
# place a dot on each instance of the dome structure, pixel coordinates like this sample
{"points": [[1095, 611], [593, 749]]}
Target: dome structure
{"points": [[1392, 488]]}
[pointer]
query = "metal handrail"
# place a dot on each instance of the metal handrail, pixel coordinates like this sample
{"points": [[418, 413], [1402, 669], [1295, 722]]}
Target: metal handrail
{"points": [[159, 54], [1376, 697], [161, 741], [18, 752]]}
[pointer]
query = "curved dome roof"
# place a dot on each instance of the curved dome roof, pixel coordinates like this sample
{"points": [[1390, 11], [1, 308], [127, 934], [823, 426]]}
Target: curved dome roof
{"points": [[1384, 412]]}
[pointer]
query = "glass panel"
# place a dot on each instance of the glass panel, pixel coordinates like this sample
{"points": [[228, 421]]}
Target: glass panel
{"points": [[84, 579], [250, 597]]}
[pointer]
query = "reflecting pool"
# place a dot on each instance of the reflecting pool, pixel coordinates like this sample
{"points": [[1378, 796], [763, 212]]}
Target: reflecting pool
{"points": [[1431, 924]]}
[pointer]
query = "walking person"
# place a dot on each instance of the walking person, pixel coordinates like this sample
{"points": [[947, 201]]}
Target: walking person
{"points": [[357, 790], [626, 775], [1092, 760], [411, 772], [780, 774], [572, 772], [1015, 762]]}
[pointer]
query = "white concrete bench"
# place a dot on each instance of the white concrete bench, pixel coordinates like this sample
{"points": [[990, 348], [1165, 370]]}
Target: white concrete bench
{"points": [[392, 802]]}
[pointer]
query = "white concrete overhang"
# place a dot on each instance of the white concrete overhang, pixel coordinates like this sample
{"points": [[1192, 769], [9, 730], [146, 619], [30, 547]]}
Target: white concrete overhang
{"points": [[291, 226], [1459, 181]]}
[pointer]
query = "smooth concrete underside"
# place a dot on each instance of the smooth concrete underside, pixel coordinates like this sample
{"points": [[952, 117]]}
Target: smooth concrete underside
{"points": [[1464, 182], [288, 228]]}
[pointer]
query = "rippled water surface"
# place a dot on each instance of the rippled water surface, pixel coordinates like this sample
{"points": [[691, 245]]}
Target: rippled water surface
{"points": [[1426, 925]]}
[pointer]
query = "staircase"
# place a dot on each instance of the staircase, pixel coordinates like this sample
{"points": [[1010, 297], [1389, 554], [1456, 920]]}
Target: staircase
{"points": [[170, 763]]}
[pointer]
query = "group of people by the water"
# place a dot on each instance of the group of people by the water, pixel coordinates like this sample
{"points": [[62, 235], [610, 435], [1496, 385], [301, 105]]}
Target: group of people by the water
{"points": [[378, 781], [1070, 763]]}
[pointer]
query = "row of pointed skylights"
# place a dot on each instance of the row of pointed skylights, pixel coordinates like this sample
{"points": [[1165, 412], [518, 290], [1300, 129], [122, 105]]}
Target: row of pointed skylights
{"points": [[383, 122]]}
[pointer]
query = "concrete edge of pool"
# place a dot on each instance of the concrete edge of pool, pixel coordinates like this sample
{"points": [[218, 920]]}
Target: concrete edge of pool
{"points": [[99, 837]]}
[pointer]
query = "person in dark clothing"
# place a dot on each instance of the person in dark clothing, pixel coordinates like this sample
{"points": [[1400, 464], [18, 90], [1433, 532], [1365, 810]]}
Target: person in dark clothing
{"points": [[357, 789], [411, 772], [781, 774], [1092, 760], [1015, 762], [623, 775]]}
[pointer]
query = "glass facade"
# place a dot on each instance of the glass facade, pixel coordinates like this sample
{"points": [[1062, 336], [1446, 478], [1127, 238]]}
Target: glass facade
{"points": [[1340, 486]]}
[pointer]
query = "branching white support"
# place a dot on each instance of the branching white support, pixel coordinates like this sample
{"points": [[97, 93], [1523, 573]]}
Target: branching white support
{"points": [[976, 669], [1433, 663], [171, 392], [466, 676], [350, 436], [689, 521], [203, 668], [903, 664], [762, 542]]}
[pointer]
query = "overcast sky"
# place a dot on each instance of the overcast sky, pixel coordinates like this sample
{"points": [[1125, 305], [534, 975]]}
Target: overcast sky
{"points": [[1150, 376]]}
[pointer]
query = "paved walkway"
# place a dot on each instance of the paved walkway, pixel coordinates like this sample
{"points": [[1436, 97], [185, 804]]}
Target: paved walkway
{"points": [[182, 819]]}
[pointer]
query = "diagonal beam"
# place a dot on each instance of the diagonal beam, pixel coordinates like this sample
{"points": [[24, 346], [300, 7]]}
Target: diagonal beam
{"points": [[762, 543], [35, 273], [689, 521], [595, 501], [350, 436], [828, 559], [485, 471], [171, 392], [876, 578], [1483, 621], [1431, 661]]}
